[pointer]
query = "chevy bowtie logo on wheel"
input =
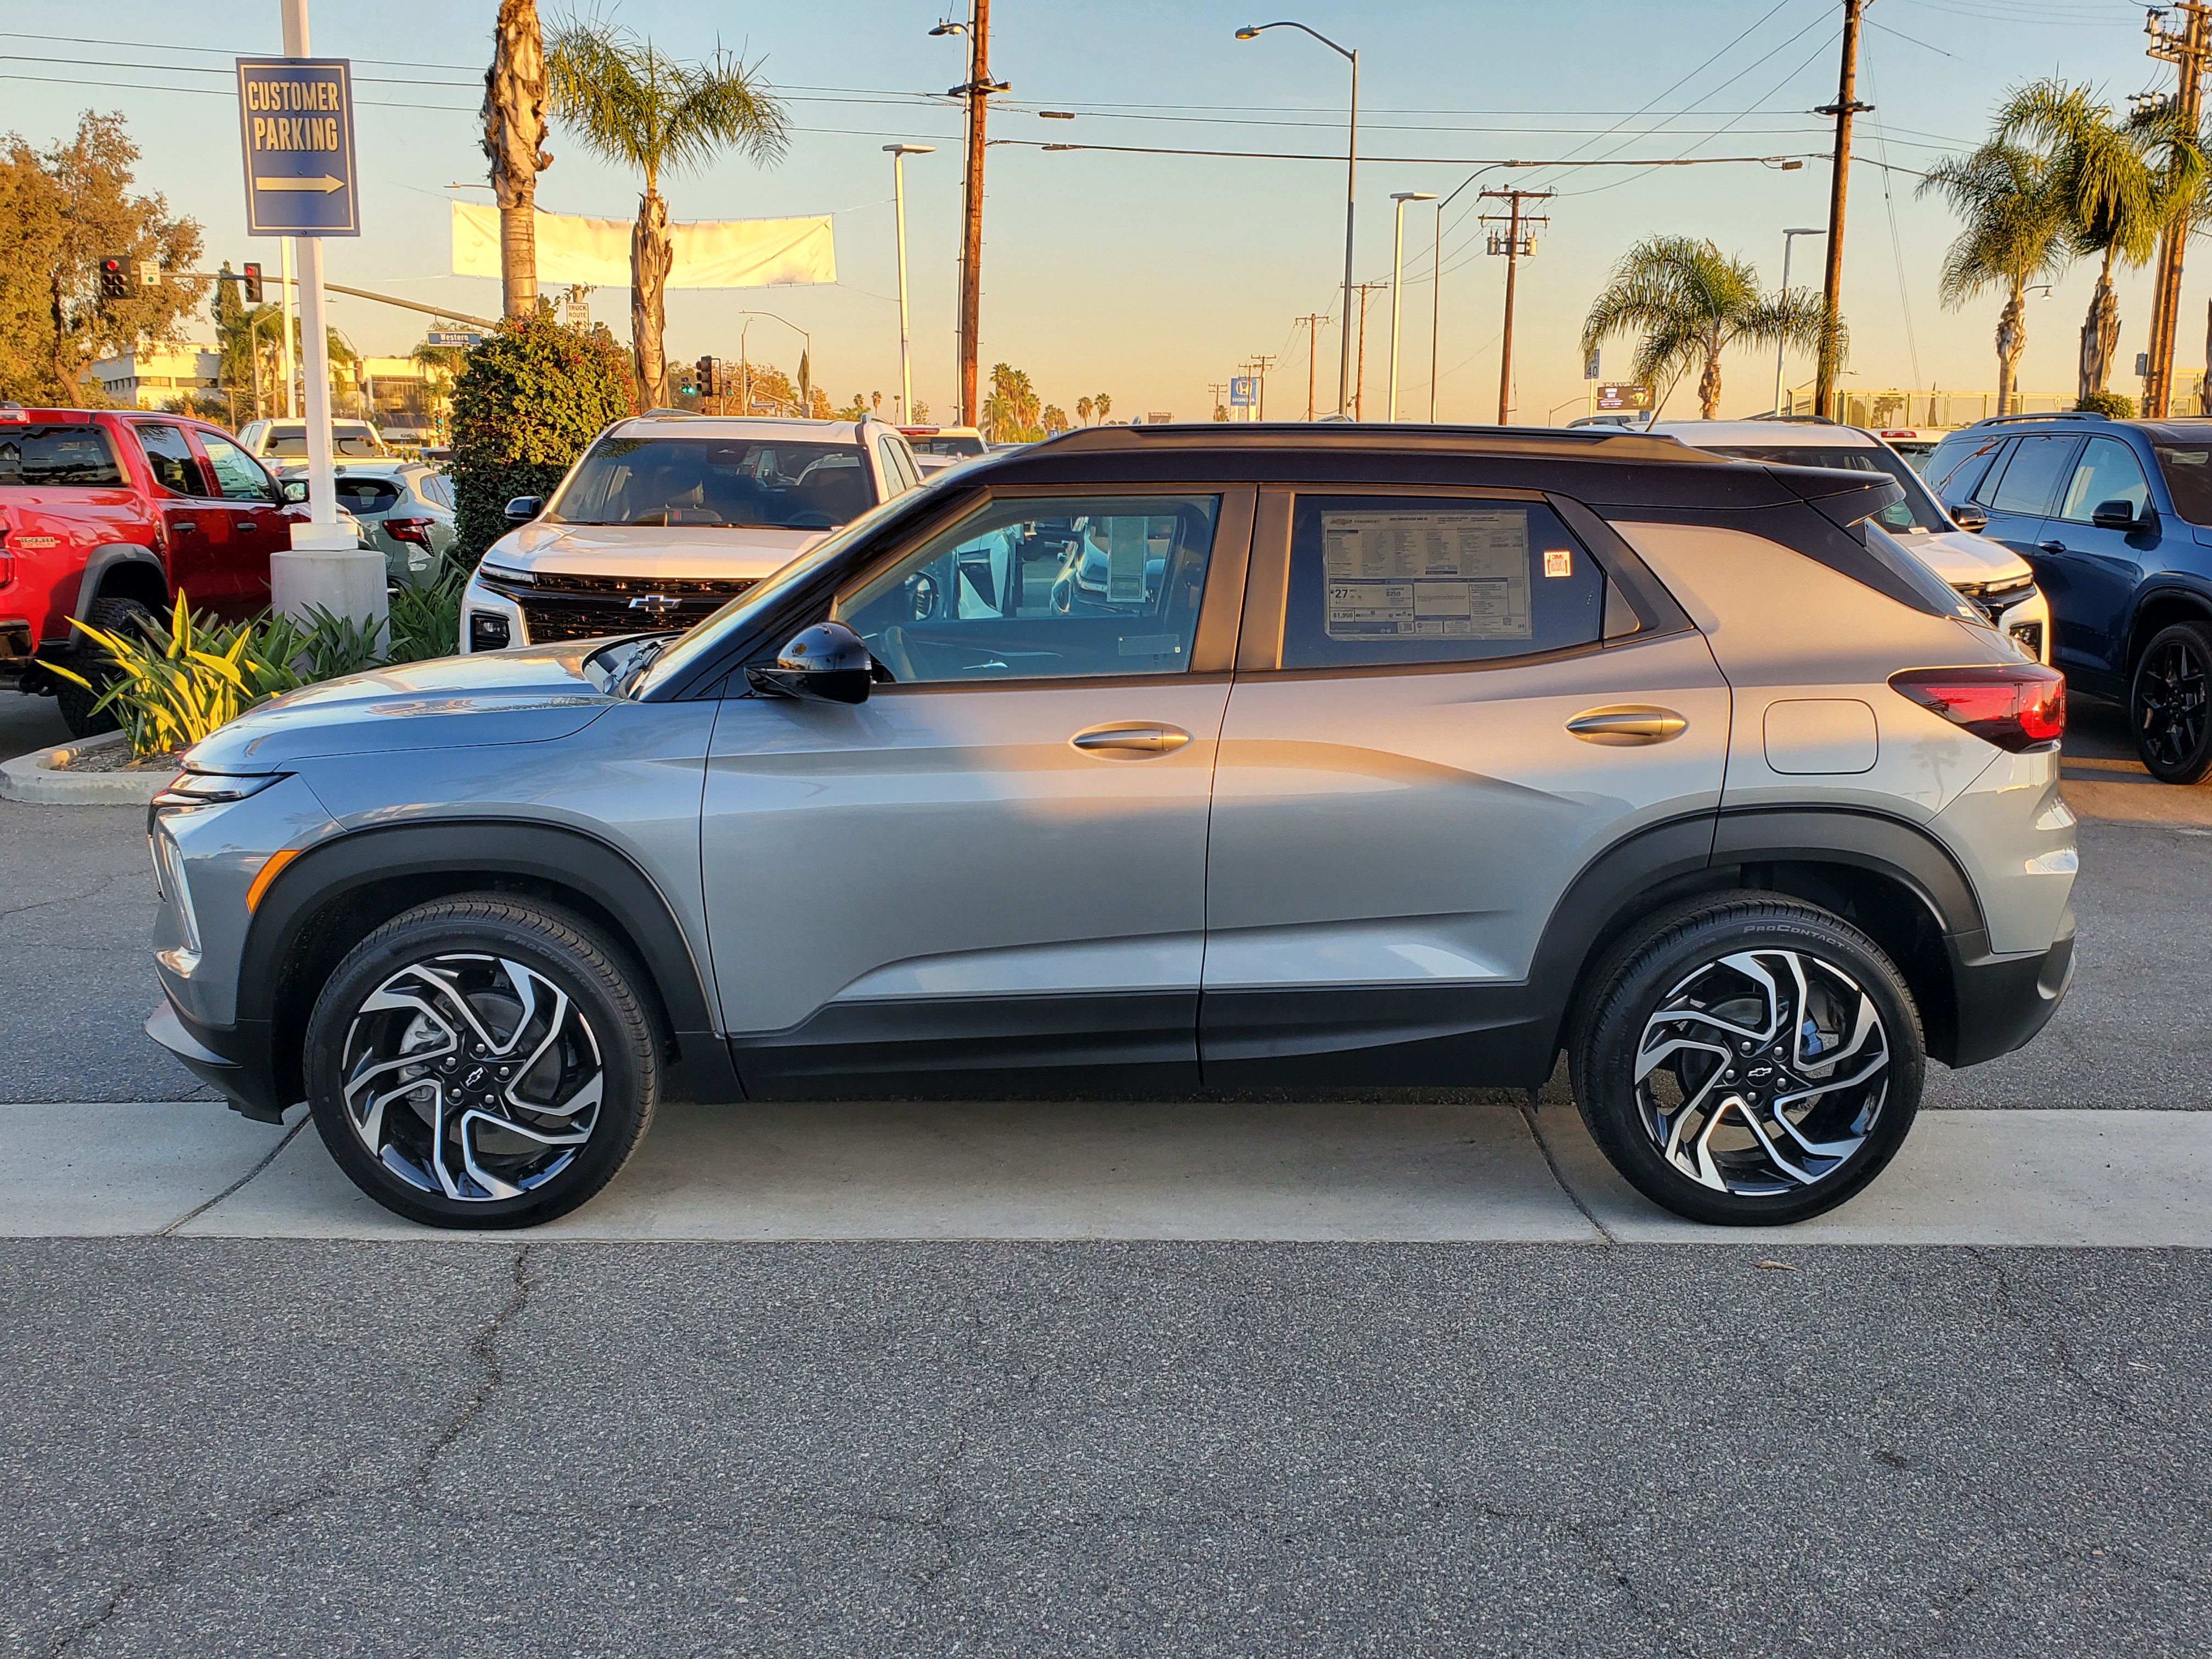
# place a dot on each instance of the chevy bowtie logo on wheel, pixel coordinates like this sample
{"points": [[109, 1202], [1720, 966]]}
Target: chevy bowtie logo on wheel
{"points": [[474, 1078], [1759, 1073], [658, 605]]}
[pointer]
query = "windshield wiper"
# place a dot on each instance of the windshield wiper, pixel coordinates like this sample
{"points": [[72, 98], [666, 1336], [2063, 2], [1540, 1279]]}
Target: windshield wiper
{"points": [[644, 659]]}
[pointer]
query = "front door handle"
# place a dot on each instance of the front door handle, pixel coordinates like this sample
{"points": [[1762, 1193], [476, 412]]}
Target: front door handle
{"points": [[184, 524], [2050, 547], [1628, 723], [1130, 740]]}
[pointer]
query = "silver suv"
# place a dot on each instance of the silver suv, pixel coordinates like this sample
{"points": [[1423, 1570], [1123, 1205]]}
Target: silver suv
{"points": [[1154, 759]]}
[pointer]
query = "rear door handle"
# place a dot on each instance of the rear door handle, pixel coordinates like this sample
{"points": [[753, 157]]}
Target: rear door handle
{"points": [[1130, 740], [2050, 547], [1628, 723], [184, 524]]}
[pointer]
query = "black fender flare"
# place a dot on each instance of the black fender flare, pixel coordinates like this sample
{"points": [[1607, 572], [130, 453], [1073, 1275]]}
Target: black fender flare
{"points": [[108, 558], [2155, 593], [491, 850], [1870, 841]]}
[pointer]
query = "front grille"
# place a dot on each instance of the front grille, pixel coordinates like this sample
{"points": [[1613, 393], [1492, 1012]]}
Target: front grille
{"points": [[558, 605], [1994, 597], [623, 588]]}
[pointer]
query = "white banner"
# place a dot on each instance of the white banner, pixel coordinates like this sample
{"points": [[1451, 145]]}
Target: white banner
{"points": [[726, 254]]}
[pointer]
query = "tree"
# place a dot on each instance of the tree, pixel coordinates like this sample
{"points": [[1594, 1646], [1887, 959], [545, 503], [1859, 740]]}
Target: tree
{"points": [[2117, 193], [1102, 406], [853, 410], [514, 142], [1690, 302], [2016, 231], [62, 210], [1083, 410], [528, 401], [627, 103], [1055, 419]]}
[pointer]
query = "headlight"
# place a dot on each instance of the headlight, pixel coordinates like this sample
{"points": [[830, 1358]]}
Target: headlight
{"points": [[213, 788]]}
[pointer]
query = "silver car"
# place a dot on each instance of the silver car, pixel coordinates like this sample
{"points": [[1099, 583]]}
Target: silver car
{"points": [[1151, 759], [405, 510]]}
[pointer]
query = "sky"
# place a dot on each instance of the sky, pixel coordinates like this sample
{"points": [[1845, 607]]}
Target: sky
{"points": [[1150, 277]]}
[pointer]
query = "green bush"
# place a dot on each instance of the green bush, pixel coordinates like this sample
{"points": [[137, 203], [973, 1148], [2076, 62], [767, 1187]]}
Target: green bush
{"points": [[528, 401], [2111, 404]]}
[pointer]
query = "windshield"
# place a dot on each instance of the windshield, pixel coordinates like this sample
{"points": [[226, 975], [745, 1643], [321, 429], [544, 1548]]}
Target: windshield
{"points": [[357, 442], [2188, 469], [767, 483], [1918, 510], [737, 616], [944, 446]]}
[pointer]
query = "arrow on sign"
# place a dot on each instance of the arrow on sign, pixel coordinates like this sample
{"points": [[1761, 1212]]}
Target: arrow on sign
{"points": [[322, 186]]}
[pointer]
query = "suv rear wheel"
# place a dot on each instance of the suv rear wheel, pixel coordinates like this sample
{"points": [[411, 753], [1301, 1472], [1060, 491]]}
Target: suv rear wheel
{"points": [[483, 1061], [1748, 1060], [2168, 710], [74, 700]]}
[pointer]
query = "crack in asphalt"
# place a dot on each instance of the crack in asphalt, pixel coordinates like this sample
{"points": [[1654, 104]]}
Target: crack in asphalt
{"points": [[14, 910], [2062, 1351], [485, 1351]]}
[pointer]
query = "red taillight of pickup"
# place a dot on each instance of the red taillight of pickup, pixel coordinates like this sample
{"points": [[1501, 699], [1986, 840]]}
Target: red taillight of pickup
{"points": [[2021, 707], [408, 530]]}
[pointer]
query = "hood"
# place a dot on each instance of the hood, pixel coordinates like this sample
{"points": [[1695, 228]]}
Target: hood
{"points": [[1961, 556], [532, 695], [609, 550]]}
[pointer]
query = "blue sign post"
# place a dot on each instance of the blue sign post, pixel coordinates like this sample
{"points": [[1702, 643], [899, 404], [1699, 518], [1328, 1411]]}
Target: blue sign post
{"points": [[295, 121]]}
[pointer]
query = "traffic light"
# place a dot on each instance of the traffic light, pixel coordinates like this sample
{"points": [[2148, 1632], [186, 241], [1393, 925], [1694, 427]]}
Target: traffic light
{"points": [[249, 282], [115, 277], [706, 367]]}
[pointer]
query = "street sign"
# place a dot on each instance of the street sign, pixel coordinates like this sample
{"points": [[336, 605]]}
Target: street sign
{"points": [[1159, 416], [1590, 368], [1613, 395], [1243, 390], [2142, 362], [296, 123], [466, 340]]}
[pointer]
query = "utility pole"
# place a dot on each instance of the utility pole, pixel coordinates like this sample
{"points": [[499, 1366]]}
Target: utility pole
{"points": [[2186, 49], [1218, 388], [1311, 322], [1832, 292], [1262, 364], [978, 88], [1358, 410], [1513, 243]]}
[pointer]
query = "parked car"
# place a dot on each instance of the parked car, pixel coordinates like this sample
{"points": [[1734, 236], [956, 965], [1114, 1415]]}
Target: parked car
{"points": [[940, 448], [2116, 518], [104, 516], [1425, 756], [668, 517], [287, 440], [405, 510], [1915, 443], [1992, 577]]}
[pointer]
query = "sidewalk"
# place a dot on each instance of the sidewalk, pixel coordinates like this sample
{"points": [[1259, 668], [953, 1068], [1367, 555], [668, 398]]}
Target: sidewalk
{"points": [[1401, 1173]]}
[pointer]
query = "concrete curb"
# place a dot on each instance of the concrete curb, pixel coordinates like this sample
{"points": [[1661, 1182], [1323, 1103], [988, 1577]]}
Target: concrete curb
{"points": [[34, 778]]}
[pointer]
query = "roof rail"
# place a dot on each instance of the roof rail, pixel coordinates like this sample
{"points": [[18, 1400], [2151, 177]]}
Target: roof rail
{"points": [[1800, 420], [2047, 415]]}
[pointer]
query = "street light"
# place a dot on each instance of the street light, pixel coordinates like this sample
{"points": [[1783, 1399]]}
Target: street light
{"points": [[898, 153], [806, 360], [1351, 171], [1397, 274], [1787, 238], [1436, 278]]}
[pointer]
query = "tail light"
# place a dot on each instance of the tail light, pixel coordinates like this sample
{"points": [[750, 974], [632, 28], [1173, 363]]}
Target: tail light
{"points": [[408, 530], [2021, 707]]}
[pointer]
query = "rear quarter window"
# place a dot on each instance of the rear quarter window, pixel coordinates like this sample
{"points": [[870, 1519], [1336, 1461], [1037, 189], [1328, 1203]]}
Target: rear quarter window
{"points": [[2188, 469], [58, 456]]}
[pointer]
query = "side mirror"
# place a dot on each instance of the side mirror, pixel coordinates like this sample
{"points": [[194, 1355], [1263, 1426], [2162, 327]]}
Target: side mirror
{"points": [[1967, 516], [523, 508], [827, 663], [2114, 515], [295, 490]]}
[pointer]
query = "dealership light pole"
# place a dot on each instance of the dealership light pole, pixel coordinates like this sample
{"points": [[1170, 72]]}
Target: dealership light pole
{"points": [[898, 153], [1397, 280], [1436, 278], [1351, 179], [1788, 237]]}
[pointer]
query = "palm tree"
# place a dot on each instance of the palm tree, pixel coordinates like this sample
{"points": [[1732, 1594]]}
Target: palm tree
{"points": [[1102, 405], [2117, 191], [1083, 410], [2017, 231], [1690, 302], [513, 140], [627, 103]]}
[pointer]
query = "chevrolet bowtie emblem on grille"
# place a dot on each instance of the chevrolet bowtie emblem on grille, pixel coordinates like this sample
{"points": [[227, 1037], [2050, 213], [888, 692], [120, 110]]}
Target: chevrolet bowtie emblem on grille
{"points": [[659, 604]]}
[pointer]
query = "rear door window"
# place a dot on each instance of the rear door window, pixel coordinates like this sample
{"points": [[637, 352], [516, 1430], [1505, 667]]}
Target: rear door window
{"points": [[76, 456], [2108, 472], [375, 495], [1389, 580], [2031, 480], [176, 469]]}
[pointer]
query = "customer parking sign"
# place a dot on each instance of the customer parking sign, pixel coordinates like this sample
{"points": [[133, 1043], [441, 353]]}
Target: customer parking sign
{"points": [[295, 121]]}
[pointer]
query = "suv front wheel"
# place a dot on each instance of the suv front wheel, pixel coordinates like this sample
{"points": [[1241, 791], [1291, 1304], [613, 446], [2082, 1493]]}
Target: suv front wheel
{"points": [[1747, 1060], [483, 1061]]}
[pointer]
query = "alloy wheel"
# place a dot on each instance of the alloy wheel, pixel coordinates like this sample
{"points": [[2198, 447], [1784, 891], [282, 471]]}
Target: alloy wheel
{"points": [[472, 1076], [1762, 1072], [2170, 695]]}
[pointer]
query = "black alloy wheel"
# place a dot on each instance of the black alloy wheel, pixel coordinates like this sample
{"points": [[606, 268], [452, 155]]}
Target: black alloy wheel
{"points": [[2170, 703]]}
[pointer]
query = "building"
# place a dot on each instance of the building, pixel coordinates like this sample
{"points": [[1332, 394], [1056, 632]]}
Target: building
{"points": [[150, 379]]}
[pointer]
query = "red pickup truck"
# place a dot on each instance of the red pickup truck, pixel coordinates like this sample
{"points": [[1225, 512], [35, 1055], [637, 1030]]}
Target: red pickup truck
{"points": [[105, 514]]}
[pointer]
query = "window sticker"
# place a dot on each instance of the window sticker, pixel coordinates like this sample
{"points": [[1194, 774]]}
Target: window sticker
{"points": [[1408, 576], [1558, 562], [1127, 545]]}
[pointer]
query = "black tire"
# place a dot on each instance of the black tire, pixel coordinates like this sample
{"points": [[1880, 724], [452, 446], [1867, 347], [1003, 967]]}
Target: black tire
{"points": [[2170, 703], [1675, 961], [73, 701], [426, 1141]]}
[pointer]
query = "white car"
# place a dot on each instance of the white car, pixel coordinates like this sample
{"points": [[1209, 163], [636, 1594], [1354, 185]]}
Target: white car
{"points": [[940, 448], [666, 518], [1995, 580], [287, 440]]}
